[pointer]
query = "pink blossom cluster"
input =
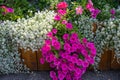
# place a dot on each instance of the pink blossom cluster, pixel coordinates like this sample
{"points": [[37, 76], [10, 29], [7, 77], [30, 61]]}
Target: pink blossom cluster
{"points": [[94, 11], [70, 59], [61, 11], [69, 56], [7, 10]]}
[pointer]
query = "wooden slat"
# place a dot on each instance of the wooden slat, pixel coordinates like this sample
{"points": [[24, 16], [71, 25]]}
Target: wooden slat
{"points": [[44, 66], [114, 63], [29, 59], [105, 60]]}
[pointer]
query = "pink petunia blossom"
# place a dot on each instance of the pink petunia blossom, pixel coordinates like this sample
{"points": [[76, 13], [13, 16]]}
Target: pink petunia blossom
{"points": [[67, 47], [52, 74], [69, 26], [54, 30], [74, 38], [64, 67], [47, 42], [62, 5], [89, 6], [57, 17], [90, 60], [68, 77], [79, 10], [46, 48], [112, 11], [85, 64], [65, 36], [56, 44], [10, 10], [84, 40], [94, 13], [64, 22], [50, 34], [61, 12]]}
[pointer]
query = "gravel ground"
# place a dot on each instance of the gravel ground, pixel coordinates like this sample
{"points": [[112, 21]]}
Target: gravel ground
{"points": [[44, 75]]}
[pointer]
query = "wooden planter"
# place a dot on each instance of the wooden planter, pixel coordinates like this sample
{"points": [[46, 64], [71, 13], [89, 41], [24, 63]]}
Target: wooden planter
{"points": [[31, 59]]}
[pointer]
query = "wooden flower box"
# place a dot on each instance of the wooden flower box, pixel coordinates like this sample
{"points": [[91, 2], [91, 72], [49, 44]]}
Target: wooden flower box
{"points": [[31, 59]]}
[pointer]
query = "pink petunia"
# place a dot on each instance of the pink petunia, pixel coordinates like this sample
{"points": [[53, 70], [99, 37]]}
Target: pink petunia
{"points": [[79, 10], [112, 11], [47, 42], [67, 47], [52, 74], [10, 10], [94, 13], [54, 30], [69, 26], [89, 6], [50, 34], [61, 12], [64, 22], [56, 44], [73, 38], [85, 64], [46, 48], [62, 5], [57, 17], [65, 36], [84, 40]]}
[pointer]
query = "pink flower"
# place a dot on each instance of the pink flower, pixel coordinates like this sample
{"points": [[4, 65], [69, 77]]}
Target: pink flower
{"points": [[90, 60], [64, 22], [89, 6], [61, 12], [42, 61], [47, 42], [54, 30], [93, 52], [7, 9], [79, 10], [69, 26], [50, 34], [112, 11], [95, 12], [84, 53], [52, 74], [66, 36], [57, 17], [52, 65], [74, 38], [68, 77], [67, 47], [85, 64], [54, 38], [90, 45], [84, 40], [10, 10], [62, 5], [90, 1], [45, 48], [56, 44], [61, 76], [79, 62], [74, 47], [64, 67]]}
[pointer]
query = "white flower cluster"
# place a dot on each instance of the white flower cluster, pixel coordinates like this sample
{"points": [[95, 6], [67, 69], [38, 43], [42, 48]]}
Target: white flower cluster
{"points": [[24, 33], [106, 36], [9, 56], [31, 32]]}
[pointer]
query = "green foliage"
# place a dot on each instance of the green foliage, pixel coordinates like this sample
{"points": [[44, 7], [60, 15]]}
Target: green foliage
{"points": [[21, 9]]}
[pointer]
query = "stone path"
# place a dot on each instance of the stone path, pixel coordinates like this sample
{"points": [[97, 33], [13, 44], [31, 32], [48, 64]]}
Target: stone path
{"points": [[44, 75]]}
